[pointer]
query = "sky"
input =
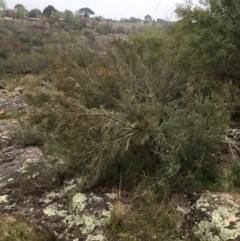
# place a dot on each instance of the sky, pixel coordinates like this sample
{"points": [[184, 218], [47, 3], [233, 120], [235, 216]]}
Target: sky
{"points": [[114, 9]]}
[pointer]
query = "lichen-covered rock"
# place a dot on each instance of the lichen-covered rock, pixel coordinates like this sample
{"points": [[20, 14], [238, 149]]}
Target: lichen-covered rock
{"points": [[215, 217]]}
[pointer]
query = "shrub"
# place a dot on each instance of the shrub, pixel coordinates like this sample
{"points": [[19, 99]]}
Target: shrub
{"points": [[36, 41], [27, 136], [89, 34], [120, 29], [126, 111], [24, 38], [36, 62], [104, 28]]}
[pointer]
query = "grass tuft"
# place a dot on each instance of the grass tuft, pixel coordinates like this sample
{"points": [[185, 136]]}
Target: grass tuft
{"points": [[14, 228]]}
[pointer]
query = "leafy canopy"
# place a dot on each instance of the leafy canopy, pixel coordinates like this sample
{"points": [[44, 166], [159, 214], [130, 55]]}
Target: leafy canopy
{"points": [[148, 18], [34, 13], [48, 10], [86, 12], [17, 6], [211, 37]]}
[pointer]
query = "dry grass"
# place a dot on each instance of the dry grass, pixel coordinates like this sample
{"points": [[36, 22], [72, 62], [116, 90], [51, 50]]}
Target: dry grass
{"points": [[14, 228], [119, 212], [149, 217], [26, 81]]}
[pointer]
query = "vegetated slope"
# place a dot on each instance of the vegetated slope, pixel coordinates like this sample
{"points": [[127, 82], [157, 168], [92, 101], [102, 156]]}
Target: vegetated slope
{"points": [[148, 113]]}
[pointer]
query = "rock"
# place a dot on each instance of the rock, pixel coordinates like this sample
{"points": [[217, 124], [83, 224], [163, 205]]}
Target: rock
{"points": [[12, 101], [71, 214], [215, 217]]}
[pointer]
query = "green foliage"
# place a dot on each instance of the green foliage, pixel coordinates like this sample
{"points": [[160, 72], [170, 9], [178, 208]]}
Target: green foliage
{"points": [[24, 38], [34, 13], [148, 18], [17, 6], [89, 34], [36, 41], [68, 16], [21, 11], [129, 109], [9, 116], [86, 12], [8, 46], [55, 15], [47, 11], [105, 28], [36, 62], [27, 136], [209, 39]]}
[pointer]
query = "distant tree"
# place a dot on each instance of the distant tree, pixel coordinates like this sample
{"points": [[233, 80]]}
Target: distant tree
{"points": [[48, 10], [148, 18], [34, 13], [99, 19], [75, 24], [21, 12], [86, 12], [17, 6], [68, 16], [133, 20], [3, 5], [162, 21], [55, 16]]}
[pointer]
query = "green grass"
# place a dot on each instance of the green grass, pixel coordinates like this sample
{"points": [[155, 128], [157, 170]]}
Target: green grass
{"points": [[10, 116]]}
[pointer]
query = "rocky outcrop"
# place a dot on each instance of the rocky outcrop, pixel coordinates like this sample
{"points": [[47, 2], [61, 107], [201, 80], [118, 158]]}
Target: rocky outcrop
{"points": [[11, 101], [31, 187], [210, 216], [215, 217], [72, 215]]}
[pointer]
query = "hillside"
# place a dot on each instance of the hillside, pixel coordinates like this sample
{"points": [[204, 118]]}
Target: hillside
{"points": [[131, 135]]}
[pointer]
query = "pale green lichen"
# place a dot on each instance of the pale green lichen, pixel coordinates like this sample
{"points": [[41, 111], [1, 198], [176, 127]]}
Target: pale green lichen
{"points": [[79, 202], [228, 234], [89, 225], [3, 199], [62, 213], [51, 210], [85, 221], [98, 237], [72, 220], [50, 196], [111, 195], [95, 198], [23, 168], [218, 220]]}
